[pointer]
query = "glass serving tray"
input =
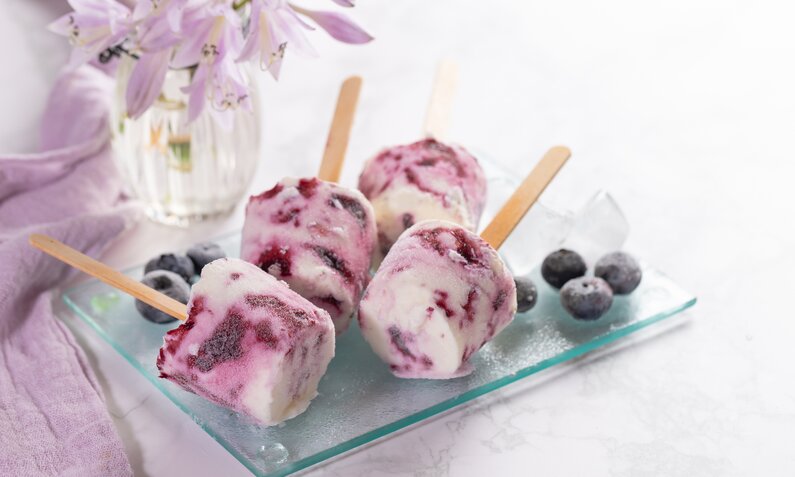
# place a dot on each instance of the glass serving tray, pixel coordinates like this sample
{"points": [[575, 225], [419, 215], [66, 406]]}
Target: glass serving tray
{"points": [[359, 400]]}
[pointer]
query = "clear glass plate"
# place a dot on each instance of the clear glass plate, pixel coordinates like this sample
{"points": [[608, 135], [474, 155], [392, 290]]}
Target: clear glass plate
{"points": [[359, 400]]}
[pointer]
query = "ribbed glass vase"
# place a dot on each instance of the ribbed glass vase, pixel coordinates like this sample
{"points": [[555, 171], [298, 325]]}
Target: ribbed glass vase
{"points": [[184, 172]]}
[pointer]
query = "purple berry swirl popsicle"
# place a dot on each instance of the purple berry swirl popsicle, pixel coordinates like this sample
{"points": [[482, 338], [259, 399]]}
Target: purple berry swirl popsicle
{"points": [[423, 180], [313, 234], [248, 342], [442, 292], [427, 179], [316, 236]]}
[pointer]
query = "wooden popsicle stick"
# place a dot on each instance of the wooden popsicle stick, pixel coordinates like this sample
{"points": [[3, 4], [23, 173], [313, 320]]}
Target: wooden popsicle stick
{"points": [[108, 275], [437, 117], [525, 196], [337, 142]]}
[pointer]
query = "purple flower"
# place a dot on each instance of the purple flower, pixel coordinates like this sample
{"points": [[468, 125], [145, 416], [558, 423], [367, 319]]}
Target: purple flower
{"points": [[272, 26], [92, 27], [275, 25], [156, 36], [204, 35], [215, 42]]}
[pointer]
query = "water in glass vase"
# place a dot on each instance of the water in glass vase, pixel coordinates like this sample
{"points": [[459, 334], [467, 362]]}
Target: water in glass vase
{"points": [[183, 172]]}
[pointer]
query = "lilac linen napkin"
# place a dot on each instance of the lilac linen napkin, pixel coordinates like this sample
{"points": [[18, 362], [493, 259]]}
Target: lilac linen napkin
{"points": [[53, 420]]}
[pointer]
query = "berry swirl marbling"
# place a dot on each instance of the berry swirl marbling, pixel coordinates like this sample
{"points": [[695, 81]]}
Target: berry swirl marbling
{"points": [[440, 294], [249, 344], [316, 236], [421, 181]]}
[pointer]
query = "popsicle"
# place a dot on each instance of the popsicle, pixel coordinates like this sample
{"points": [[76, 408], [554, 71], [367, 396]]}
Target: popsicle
{"points": [[314, 234], [427, 179], [248, 342], [442, 292]]}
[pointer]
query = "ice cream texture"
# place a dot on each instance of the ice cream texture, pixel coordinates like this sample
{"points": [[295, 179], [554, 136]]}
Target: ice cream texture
{"points": [[440, 294], [316, 236], [249, 343], [420, 181]]}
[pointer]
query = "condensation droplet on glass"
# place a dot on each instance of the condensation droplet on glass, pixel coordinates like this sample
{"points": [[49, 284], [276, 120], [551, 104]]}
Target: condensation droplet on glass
{"points": [[274, 453]]}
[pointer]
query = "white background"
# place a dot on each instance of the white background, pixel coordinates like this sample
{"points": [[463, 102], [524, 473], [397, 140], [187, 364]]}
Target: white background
{"points": [[684, 110]]}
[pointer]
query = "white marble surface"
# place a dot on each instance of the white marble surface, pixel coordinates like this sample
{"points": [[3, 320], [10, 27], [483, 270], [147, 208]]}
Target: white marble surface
{"points": [[683, 109]]}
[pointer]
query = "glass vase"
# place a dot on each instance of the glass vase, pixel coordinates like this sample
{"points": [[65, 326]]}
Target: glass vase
{"points": [[184, 172]]}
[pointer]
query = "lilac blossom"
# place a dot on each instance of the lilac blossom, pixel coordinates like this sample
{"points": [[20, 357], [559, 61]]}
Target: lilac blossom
{"points": [[208, 36], [92, 27], [216, 41]]}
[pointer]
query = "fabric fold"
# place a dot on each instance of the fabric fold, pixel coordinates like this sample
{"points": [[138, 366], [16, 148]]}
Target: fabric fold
{"points": [[53, 420]]}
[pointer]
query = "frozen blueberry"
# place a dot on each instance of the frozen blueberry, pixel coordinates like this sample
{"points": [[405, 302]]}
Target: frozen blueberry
{"points": [[168, 283], [561, 266], [586, 298], [620, 271], [203, 253], [179, 264], [526, 294]]}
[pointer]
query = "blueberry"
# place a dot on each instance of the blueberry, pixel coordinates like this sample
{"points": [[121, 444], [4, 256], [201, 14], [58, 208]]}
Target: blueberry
{"points": [[526, 294], [203, 253], [179, 264], [561, 266], [586, 298], [620, 271], [168, 283]]}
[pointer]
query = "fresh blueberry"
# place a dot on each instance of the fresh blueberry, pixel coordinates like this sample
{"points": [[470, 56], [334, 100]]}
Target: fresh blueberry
{"points": [[620, 271], [203, 253], [168, 283], [526, 294], [586, 298], [561, 266], [179, 264]]}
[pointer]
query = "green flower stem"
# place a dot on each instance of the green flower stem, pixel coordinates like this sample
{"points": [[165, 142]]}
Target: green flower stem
{"points": [[240, 4]]}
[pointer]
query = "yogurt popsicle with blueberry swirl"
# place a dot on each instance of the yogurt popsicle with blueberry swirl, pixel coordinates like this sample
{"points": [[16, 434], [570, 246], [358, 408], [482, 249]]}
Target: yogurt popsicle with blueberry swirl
{"points": [[442, 292], [247, 343], [313, 234], [427, 179], [424, 180]]}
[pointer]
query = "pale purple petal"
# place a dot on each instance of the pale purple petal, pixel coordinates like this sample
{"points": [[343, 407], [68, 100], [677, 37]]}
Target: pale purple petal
{"points": [[189, 52], [231, 39], [142, 9], [290, 10], [344, 3], [63, 25], [229, 93], [230, 89], [252, 44], [338, 26], [94, 26], [146, 82], [285, 27], [174, 16], [197, 92], [262, 39], [155, 34], [78, 57], [101, 7]]}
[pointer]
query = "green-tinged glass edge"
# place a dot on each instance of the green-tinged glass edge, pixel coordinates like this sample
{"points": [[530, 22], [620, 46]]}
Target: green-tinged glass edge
{"points": [[398, 424]]}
